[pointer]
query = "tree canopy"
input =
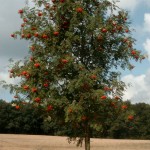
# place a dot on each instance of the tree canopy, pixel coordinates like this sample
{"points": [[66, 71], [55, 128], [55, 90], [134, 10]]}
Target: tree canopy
{"points": [[76, 49]]}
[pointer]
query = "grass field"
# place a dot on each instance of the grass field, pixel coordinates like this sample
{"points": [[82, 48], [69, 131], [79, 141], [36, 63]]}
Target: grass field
{"points": [[38, 142]]}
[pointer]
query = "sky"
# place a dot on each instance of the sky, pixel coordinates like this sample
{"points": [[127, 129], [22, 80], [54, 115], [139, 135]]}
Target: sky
{"points": [[138, 78]]}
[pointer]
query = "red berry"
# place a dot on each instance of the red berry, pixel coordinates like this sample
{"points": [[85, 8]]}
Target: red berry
{"points": [[36, 65], [28, 35], [124, 107], [103, 97], [104, 30], [49, 107], [12, 35], [46, 84], [40, 14], [20, 11], [44, 36], [34, 90], [15, 96], [56, 33], [117, 97], [93, 77], [79, 10], [133, 52], [17, 107], [33, 28], [107, 88], [26, 87], [25, 20], [22, 25], [37, 99], [119, 28], [36, 34], [130, 117], [126, 30], [64, 61], [24, 73]]}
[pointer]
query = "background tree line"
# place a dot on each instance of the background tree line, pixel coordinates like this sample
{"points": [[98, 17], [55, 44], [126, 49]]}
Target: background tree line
{"points": [[29, 119]]}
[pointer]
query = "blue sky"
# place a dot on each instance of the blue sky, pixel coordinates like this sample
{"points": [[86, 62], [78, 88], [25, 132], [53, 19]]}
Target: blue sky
{"points": [[139, 12]]}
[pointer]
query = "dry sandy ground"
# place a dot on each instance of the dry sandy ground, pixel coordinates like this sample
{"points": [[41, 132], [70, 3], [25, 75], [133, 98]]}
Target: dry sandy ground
{"points": [[38, 142]]}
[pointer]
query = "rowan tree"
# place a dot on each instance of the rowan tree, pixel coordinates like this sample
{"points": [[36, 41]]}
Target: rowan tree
{"points": [[77, 48]]}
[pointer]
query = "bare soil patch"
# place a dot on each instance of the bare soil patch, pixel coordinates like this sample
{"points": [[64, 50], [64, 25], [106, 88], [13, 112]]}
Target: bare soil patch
{"points": [[39, 142]]}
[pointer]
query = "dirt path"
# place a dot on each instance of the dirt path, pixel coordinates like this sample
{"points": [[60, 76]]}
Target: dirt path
{"points": [[38, 142]]}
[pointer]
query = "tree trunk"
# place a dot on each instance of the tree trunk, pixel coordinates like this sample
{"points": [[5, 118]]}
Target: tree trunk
{"points": [[87, 138], [87, 143]]}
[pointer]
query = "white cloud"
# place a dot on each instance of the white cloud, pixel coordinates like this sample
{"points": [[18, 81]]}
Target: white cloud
{"points": [[147, 22], [139, 89], [10, 22], [128, 4], [4, 76], [147, 47], [9, 48]]}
